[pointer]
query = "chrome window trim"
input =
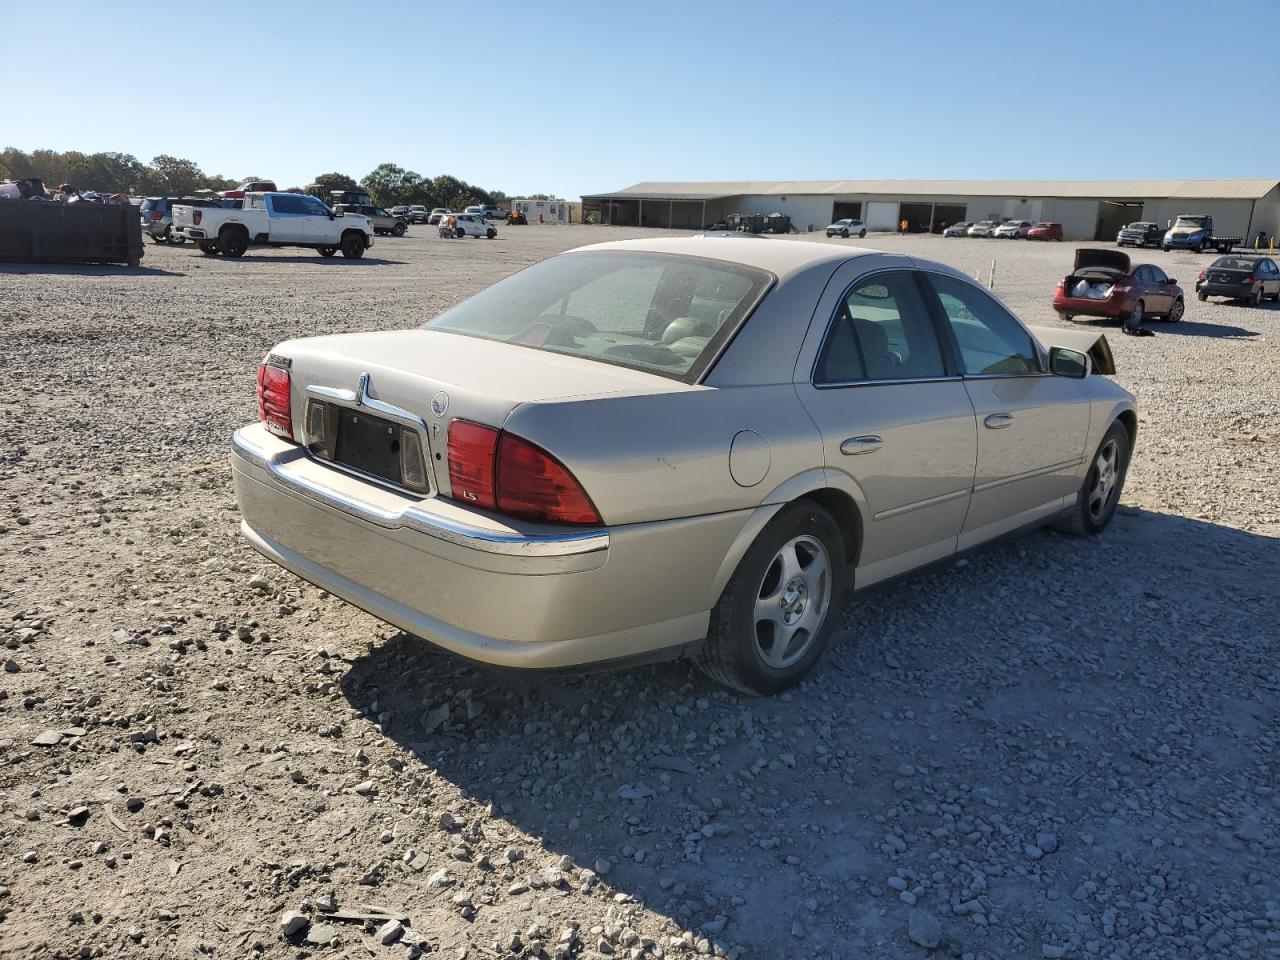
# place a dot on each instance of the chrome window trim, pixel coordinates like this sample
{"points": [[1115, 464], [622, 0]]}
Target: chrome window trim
{"points": [[574, 543], [822, 345], [840, 384], [359, 399]]}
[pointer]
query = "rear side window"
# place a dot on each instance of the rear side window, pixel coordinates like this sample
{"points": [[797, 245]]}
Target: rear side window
{"points": [[655, 312], [148, 206], [991, 340], [881, 331]]}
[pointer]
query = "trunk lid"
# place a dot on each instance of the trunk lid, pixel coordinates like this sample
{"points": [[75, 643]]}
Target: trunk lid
{"points": [[1092, 257], [439, 377]]}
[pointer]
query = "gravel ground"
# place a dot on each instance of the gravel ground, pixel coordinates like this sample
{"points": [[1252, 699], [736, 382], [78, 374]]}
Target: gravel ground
{"points": [[1054, 747]]}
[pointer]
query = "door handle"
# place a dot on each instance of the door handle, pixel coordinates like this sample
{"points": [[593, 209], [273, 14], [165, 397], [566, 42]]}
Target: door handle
{"points": [[859, 445], [998, 421]]}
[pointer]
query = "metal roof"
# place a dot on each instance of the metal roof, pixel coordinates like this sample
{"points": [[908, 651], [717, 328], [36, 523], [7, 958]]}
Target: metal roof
{"points": [[1086, 189]]}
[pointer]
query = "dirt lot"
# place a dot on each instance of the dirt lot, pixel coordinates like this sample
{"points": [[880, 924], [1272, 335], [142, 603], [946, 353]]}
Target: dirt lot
{"points": [[1051, 748]]}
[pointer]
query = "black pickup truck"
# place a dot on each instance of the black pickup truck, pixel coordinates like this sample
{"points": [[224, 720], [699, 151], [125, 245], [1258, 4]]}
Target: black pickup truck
{"points": [[1142, 233], [1194, 231]]}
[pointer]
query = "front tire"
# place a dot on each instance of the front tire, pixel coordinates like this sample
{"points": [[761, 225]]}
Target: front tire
{"points": [[1100, 493], [209, 248], [491, 233], [326, 251], [398, 230], [352, 246], [777, 612], [844, 234]]}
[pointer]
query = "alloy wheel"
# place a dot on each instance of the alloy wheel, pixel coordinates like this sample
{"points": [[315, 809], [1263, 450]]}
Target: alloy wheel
{"points": [[792, 601], [1106, 476]]}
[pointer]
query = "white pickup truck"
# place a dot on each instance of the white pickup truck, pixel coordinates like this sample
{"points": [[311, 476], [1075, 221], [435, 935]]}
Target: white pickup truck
{"points": [[276, 220]]}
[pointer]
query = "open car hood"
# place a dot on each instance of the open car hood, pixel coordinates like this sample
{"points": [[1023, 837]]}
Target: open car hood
{"points": [[1092, 342], [1093, 257]]}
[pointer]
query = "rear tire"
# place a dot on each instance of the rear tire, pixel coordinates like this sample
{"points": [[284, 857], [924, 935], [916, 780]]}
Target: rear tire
{"points": [[398, 230], [326, 251], [233, 243], [1254, 298], [1202, 297], [1177, 311], [491, 233], [1100, 492], [844, 234], [353, 245], [1134, 320], [777, 612]]}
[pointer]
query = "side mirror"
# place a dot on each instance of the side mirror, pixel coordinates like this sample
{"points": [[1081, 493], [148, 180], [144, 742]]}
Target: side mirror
{"points": [[1065, 362], [1170, 281]]}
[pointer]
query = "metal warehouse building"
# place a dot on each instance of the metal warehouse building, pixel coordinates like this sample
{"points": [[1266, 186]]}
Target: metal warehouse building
{"points": [[1087, 209]]}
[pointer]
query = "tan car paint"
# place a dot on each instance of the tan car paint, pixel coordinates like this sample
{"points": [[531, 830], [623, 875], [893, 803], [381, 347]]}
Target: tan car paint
{"points": [[654, 455]]}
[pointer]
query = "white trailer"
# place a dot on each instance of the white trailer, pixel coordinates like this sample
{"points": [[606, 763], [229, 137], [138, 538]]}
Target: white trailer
{"points": [[543, 211]]}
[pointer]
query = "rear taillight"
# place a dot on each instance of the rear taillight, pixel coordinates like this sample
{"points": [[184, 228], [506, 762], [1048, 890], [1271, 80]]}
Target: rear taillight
{"points": [[195, 216], [472, 454], [157, 217], [499, 471], [273, 400], [1201, 277], [1062, 284]]}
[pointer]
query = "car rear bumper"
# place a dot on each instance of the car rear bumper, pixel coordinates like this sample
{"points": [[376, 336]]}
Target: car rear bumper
{"points": [[1234, 290], [191, 233], [512, 596], [1116, 308]]}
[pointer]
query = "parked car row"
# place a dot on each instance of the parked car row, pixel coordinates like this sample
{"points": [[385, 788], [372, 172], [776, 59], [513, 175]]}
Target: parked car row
{"points": [[1006, 229], [1107, 284]]}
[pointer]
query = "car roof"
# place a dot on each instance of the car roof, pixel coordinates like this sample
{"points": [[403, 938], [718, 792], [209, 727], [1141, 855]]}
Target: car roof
{"points": [[780, 257]]}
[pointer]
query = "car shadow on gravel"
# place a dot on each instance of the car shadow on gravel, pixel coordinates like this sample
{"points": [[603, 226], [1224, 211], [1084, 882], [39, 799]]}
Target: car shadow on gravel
{"points": [[1185, 328], [85, 269], [994, 734], [318, 260]]}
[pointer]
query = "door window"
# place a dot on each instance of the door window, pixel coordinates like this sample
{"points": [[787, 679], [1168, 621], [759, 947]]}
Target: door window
{"points": [[288, 204], [881, 331], [1156, 275], [991, 341], [313, 207]]}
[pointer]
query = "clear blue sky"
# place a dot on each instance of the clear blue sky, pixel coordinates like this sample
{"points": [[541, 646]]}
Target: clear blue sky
{"points": [[584, 97]]}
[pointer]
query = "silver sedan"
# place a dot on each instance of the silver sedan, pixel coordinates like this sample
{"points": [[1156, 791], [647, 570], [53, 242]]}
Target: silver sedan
{"points": [[670, 447]]}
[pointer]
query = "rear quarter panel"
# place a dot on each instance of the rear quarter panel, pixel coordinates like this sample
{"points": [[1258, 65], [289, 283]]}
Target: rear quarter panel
{"points": [[663, 456]]}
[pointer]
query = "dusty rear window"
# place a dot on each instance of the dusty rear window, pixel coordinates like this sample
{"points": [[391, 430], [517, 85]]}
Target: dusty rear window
{"points": [[661, 313]]}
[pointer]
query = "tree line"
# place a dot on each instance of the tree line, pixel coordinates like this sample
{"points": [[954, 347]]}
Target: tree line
{"points": [[388, 184], [391, 185]]}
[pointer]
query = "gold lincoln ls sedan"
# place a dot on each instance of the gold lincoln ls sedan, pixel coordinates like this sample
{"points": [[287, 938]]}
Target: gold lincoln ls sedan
{"points": [[668, 447]]}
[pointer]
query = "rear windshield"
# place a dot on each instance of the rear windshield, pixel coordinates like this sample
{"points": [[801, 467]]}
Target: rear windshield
{"points": [[655, 312], [1234, 263]]}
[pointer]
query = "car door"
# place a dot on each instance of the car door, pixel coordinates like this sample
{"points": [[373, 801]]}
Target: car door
{"points": [[1272, 278], [895, 419], [287, 220], [1031, 425], [318, 225], [1159, 298]]}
